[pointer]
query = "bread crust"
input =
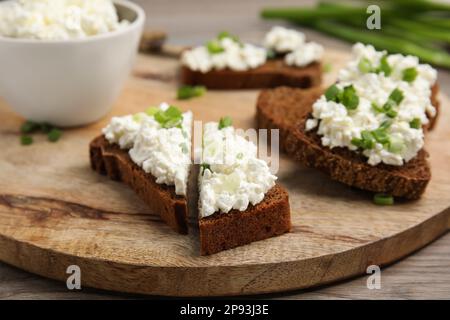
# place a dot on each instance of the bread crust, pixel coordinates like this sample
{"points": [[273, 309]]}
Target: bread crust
{"points": [[108, 159], [273, 73], [287, 109], [267, 219]]}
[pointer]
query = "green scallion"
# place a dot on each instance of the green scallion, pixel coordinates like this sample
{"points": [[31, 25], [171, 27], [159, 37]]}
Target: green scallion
{"points": [[26, 140], [187, 92], [54, 135], [415, 123], [225, 122], [29, 127], [349, 98], [383, 199], [214, 47], [151, 111], [409, 74]]}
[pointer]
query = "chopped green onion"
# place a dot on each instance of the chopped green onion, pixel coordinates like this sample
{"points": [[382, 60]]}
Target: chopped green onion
{"points": [[170, 118], [349, 98], [380, 136], [365, 66], [187, 92], [394, 99], [396, 96], [384, 66], [226, 34], [357, 142], [172, 123], [29, 127], [383, 199], [396, 144], [410, 74], [385, 124], [332, 93], [415, 123], [214, 47], [26, 140], [151, 111], [391, 113], [54, 135], [225, 122], [367, 140], [173, 112], [377, 108]]}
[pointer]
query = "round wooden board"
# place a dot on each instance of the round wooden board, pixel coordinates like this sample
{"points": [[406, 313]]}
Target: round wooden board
{"points": [[56, 212]]}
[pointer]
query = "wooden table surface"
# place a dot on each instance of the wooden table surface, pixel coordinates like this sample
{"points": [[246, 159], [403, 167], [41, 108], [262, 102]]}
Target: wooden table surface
{"points": [[423, 275]]}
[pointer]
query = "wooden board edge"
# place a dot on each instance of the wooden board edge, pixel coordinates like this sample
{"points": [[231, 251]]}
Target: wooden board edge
{"points": [[209, 281]]}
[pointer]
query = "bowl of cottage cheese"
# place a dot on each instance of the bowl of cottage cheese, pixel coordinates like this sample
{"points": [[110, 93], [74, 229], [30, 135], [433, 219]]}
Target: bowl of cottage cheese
{"points": [[64, 62]]}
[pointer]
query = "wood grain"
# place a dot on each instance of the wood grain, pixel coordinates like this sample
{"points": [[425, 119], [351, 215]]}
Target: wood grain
{"points": [[423, 275], [55, 211]]}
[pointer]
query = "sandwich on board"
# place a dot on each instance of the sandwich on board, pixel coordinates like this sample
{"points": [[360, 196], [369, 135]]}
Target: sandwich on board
{"points": [[239, 200], [367, 130], [151, 152], [284, 59]]}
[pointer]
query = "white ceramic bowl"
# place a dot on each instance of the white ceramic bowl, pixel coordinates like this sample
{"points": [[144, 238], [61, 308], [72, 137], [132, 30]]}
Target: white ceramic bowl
{"points": [[70, 82]]}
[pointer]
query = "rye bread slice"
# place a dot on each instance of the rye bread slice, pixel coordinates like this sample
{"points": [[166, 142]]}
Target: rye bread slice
{"points": [[267, 219], [273, 73], [108, 159], [288, 109], [281, 108]]}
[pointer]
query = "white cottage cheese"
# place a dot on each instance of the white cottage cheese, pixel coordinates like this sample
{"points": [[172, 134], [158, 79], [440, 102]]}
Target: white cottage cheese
{"points": [[426, 75], [304, 55], [292, 42], [283, 40], [58, 19], [235, 56], [235, 177], [165, 153], [338, 126]]}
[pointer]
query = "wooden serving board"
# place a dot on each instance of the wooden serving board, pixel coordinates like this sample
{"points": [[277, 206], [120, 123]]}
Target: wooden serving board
{"points": [[56, 212]]}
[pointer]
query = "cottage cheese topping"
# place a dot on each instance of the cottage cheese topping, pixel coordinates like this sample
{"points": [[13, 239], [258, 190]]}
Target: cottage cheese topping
{"points": [[375, 75], [304, 55], [165, 153], [122, 130], [231, 177], [338, 125], [283, 40], [426, 75], [235, 56], [58, 20]]}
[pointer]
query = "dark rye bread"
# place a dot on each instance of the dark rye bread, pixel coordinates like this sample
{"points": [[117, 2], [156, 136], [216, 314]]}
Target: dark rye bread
{"points": [[273, 73], [283, 107], [267, 219], [108, 159], [408, 181], [288, 109]]}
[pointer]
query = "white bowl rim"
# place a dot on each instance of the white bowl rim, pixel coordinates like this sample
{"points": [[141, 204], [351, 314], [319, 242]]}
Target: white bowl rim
{"points": [[140, 17]]}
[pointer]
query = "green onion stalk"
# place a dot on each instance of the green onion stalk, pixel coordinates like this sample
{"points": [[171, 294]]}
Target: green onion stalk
{"points": [[414, 27]]}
